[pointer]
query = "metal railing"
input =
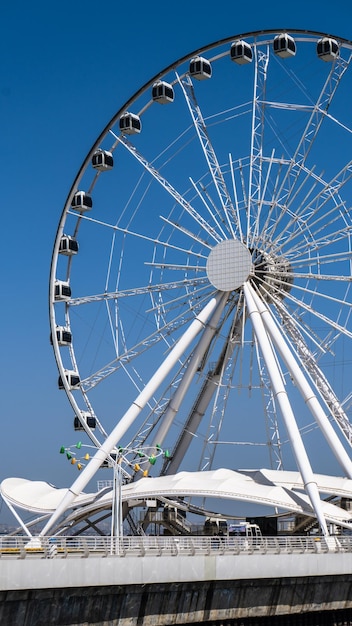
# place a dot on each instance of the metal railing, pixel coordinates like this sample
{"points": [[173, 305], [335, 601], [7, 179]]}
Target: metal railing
{"points": [[97, 546]]}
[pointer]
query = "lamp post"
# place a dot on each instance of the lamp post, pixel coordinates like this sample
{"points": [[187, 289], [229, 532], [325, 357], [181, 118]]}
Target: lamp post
{"points": [[135, 461], [116, 508]]}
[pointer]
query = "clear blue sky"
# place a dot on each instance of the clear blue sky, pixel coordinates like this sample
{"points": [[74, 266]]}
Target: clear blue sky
{"points": [[65, 69]]}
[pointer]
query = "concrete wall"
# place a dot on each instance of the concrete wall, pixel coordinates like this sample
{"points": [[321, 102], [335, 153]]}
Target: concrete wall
{"points": [[177, 603], [34, 572], [162, 590]]}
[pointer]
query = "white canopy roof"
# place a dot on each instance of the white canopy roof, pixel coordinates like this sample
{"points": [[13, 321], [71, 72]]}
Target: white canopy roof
{"points": [[36, 496], [280, 489]]}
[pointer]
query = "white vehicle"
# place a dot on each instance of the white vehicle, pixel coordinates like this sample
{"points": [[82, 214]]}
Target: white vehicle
{"points": [[215, 526], [250, 534], [245, 529]]}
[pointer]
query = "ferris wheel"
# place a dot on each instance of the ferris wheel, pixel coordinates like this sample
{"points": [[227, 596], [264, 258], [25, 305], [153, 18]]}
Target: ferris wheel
{"points": [[200, 285]]}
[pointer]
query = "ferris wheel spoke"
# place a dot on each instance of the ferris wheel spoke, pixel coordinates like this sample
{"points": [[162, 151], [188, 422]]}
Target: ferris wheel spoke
{"points": [[235, 194], [272, 430], [321, 345], [137, 291], [329, 192], [185, 268], [321, 233], [186, 232], [157, 241], [320, 260], [189, 300], [332, 216], [320, 316], [318, 228], [210, 155], [286, 106], [271, 206], [311, 130], [243, 188], [224, 375], [324, 241], [209, 202], [261, 199], [300, 213], [345, 307], [337, 122], [227, 374], [207, 228], [324, 278], [312, 367], [194, 292], [123, 359], [211, 438], [190, 292], [131, 353], [340, 179], [261, 60]]}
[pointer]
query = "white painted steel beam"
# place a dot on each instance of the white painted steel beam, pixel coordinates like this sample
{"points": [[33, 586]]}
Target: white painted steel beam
{"points": [[304, 387], [281, 396]]}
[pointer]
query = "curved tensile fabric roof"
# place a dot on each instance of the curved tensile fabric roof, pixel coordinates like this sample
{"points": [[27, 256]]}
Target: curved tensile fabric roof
{"points": [[280, 489]]}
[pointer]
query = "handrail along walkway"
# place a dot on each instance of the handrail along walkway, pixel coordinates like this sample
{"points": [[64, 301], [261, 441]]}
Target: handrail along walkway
{"points": [[94, 546]]}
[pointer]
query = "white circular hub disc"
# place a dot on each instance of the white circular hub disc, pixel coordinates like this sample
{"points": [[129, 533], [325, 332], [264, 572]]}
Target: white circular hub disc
{"points": [[229, 265]]}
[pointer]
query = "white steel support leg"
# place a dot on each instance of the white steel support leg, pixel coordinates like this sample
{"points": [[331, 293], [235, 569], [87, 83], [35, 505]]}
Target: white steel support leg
{"points": [[192, 367], [311, 366], [132, 413], [281, 396], [15, 514], [304, 387]]}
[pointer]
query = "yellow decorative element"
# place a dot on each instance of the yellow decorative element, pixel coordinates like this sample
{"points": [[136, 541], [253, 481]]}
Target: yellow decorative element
{"points": [[137, 467], [145, 473], [73, 461], [86, 457]]}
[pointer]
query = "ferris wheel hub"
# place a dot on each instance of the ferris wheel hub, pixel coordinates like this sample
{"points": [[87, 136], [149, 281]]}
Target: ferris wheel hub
{"points": [[272, 274], [229, 265]]}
